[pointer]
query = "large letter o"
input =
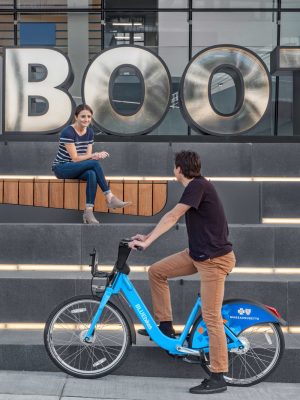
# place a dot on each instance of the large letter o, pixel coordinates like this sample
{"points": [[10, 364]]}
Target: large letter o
{"points": [[96, 90], [252, 81]]}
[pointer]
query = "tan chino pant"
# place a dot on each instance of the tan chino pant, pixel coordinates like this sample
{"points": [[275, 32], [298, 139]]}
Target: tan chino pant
{"points": [[212, 274]]}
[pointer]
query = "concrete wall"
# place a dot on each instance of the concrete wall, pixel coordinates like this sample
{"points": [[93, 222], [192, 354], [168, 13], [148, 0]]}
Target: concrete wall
{"points": [[156, 159]]}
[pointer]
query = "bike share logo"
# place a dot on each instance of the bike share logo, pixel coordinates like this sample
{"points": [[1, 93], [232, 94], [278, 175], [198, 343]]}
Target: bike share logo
{"points": [[243, 311], [143, 315]]}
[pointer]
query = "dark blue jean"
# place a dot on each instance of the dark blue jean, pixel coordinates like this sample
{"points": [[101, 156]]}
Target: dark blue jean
{"points": [[89, 171]]}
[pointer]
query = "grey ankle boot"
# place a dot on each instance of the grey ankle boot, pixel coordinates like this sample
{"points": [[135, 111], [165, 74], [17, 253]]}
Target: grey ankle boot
{"points": [[117, 203], [89, 218]]}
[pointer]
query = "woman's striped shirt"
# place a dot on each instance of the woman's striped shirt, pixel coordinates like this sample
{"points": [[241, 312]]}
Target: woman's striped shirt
{"points": [[69, 135]]}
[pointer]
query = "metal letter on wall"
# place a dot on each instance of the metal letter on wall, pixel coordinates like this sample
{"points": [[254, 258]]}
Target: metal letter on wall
{"points": [[286, 61], [36, 104], [253, 90], [96, 90]]}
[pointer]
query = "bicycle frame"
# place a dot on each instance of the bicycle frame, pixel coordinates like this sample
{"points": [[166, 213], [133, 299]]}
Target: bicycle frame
{"points": [[175, 346]]}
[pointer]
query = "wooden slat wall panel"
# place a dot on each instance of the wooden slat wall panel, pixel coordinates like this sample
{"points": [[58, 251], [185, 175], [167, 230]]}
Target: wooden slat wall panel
{"points": [[148, 198], [131, 194], [71, 198], [100, 202], [11, 192], [26, 192], [6, 31], [41, 193], [56, 193], [1, 191], [52, 3], [159, 196], [43, 3], [145, 199], [117, 189]]}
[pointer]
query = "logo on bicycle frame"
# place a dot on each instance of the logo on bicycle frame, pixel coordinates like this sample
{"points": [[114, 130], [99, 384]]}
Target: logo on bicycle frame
{"points": [[243, 311], [143, 315]]}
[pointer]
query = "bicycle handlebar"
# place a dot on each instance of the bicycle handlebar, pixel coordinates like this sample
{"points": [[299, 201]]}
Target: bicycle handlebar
{"points": [[120, 265], [127, 240]]}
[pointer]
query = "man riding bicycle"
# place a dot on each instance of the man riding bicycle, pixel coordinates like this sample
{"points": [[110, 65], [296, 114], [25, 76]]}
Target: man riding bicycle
{"points": [[209, 253]]}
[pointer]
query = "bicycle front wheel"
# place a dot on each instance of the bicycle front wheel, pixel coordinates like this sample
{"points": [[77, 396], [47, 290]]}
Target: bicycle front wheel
{"points": [[64, 338]]}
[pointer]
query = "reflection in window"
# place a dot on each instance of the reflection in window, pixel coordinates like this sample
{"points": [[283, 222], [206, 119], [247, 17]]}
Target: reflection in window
{"points": [[126, 90], [285, 106], [37, 105], [223, 93], [36, 72], [235, 3], [290, 29], [138, 30], [125, 31]]}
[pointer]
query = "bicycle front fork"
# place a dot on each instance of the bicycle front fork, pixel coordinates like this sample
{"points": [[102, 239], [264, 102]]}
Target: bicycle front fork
{"points": [[106, 296]]}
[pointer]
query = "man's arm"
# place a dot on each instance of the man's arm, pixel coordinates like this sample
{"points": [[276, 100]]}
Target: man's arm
{"points": [[166, 223]]}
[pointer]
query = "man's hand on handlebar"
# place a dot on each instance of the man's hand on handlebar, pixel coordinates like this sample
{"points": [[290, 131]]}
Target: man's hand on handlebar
{"points": [[138, 242], [139, 237]]}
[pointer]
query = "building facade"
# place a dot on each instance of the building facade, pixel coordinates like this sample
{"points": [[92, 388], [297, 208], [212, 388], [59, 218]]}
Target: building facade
{"points": [[174, 30]]}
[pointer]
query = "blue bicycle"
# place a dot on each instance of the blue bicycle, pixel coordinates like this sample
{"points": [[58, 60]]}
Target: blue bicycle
{"points": [[90, 336]]}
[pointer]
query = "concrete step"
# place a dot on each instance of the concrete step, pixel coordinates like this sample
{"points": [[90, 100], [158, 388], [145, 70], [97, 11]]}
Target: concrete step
{"points": [[254, 245], [29, 297], [25, 351]]}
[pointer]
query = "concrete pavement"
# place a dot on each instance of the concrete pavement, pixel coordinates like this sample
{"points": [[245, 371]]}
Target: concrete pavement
{"points": [[59, 386]]}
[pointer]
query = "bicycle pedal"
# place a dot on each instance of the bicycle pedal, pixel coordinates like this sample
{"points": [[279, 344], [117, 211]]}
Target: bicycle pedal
{"points": [[192, 360]]}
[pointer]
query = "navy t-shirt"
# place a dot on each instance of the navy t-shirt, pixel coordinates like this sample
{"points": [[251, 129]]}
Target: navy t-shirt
{"points": [[205, 221], [69, 135]]}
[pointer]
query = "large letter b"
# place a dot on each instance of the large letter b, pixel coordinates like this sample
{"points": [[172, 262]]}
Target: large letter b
{"points": [[35, 90]]}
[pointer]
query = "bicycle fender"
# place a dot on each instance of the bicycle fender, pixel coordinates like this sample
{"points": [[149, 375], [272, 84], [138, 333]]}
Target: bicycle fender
{"points": [[238, 315]]}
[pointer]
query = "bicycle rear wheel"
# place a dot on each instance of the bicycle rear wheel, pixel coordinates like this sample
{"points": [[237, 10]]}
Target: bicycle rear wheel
{"points": [[66, 328], [263, 349]]}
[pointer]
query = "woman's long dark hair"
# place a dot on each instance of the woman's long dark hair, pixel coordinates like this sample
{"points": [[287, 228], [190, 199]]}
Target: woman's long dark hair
{"points": [[82, 107]]}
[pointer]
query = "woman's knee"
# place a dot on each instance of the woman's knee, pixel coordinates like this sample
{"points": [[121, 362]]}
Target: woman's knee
{"points": [[90, 175], [95, 164]]}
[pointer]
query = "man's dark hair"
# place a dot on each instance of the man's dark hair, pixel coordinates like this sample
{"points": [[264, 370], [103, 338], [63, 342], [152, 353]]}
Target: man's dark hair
{"points": [[189, 162]]}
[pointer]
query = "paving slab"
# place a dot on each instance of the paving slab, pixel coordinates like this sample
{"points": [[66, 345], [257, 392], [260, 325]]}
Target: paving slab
{"points": [[169, 389], [26, 397], [13, 386], [25, 383]]}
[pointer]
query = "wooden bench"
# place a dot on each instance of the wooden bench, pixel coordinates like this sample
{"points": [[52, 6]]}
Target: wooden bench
{"points": [[148, 197]]}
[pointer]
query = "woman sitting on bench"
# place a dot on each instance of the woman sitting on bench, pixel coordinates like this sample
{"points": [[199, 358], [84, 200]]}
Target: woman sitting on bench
{"points": [[76, 160]]}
